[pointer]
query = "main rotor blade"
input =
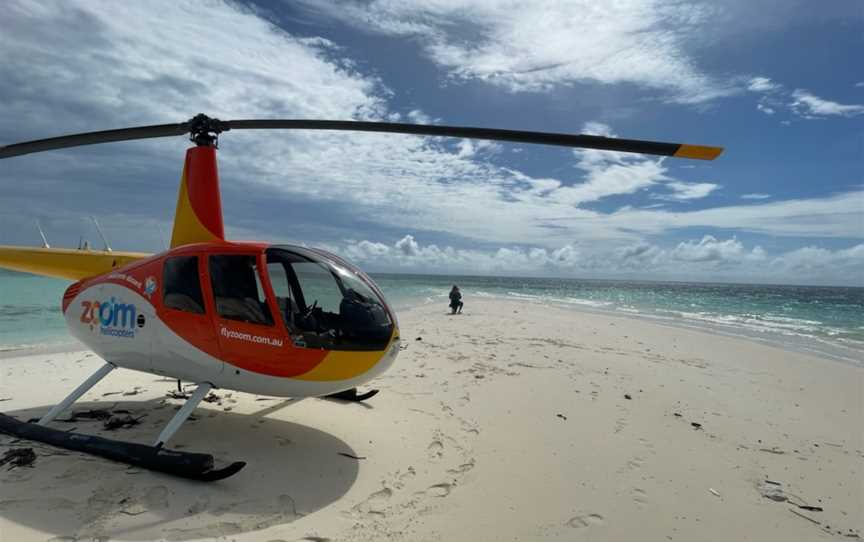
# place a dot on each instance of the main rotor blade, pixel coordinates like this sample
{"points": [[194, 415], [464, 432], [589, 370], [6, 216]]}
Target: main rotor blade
{"points": [[205, 129], [93, 138], [517, 136]]}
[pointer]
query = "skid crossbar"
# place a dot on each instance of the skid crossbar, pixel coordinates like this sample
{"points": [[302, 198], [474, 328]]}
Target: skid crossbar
{"points": [[77, 393]]}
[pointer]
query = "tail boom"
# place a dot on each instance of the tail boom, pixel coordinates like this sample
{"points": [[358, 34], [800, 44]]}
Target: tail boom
{"points": [[64, 263]]}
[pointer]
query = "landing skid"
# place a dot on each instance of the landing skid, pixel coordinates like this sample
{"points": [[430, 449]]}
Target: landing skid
{"points": [[352, 395], [193, 466]]}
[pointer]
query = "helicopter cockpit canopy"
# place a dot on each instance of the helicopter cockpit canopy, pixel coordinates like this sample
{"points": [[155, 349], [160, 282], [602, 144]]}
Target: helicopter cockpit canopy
{"points": [[326, 302]]}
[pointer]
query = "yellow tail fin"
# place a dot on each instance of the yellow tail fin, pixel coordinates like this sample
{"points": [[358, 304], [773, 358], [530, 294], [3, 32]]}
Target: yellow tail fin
{"points": [[199, 206]]}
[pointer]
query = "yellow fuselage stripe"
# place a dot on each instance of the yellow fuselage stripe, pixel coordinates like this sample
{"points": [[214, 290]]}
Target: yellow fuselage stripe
{"points": [[344, 365]]}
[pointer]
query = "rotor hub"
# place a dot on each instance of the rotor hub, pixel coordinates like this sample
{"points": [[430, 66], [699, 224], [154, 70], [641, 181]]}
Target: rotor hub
{"points": [[204, 131]]}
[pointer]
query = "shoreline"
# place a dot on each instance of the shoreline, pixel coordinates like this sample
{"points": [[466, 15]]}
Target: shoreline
{"points": [[69, 345], [796, 343], [792, 342]]}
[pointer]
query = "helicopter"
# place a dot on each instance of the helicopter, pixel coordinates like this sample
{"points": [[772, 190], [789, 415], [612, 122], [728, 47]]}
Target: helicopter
{"points": [[276, 320]]}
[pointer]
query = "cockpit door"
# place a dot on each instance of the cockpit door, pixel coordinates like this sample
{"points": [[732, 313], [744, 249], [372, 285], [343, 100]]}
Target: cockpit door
{"points": [[248, 335], [188, 320]]}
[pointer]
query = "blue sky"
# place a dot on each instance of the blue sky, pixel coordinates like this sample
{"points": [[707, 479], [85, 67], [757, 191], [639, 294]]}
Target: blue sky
{"points": [[777, 83]]}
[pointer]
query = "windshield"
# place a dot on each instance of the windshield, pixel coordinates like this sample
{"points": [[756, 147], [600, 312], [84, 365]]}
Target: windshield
{"points": [[324, 304]]}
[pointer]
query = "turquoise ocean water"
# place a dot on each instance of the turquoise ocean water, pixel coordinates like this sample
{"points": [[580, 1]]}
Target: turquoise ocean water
{"points": [[825, 320]]}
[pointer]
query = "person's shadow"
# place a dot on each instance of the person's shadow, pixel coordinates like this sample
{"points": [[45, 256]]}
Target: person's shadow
{"points": [[292, 470]]}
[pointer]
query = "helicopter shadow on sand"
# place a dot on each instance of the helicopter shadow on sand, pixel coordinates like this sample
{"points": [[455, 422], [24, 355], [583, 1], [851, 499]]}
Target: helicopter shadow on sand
{"points": [[293, 470]]}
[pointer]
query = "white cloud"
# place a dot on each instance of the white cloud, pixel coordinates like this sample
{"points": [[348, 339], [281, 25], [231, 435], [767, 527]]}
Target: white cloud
{"points": [[408, 246], [409, 255], [800, 102], [719, 259], [768, 110], [610, 175], [709, 249], [146, 63], [636, 251], [541, 44], [401, 183], [419, 117], [761, 84], [845, 266], [641, 256], [840, 215], [683, 191], [755, 196], [807, 104], [367, 249], [430, 185]]}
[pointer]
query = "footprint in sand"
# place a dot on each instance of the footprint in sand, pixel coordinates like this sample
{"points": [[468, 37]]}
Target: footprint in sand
{"points": [[375, 503], [640, 497], [463, 468], [439, 490], [583, 521], [470, 429], [648, 446], [401, 477], [435, 450], [634, 463]]}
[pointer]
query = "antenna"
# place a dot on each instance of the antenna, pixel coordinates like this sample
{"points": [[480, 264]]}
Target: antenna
{"points": [[42, 233], [162, 236], [102, 235]]}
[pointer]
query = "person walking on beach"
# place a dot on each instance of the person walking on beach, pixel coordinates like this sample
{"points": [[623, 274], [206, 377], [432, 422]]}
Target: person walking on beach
{"points": [[455, 300]]}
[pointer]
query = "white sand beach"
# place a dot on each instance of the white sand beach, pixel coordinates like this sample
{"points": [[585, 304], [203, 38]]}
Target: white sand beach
{"points": [[509, 422]]}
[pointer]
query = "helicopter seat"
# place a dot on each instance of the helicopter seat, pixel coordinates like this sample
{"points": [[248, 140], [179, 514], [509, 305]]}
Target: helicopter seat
{"points": [[289, 309], [362, 321], [245, 309], [237, 289], [182, 302]]}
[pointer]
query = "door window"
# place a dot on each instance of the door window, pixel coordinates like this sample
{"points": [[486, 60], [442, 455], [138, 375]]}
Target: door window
{"points": [[181, 285], [319, 287], [326, 305], [237, 289]]}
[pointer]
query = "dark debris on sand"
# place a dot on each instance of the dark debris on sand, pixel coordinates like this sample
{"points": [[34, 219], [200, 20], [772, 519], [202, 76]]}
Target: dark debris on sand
{"points": [[118, 422], [18, 457], [96, 414]]}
